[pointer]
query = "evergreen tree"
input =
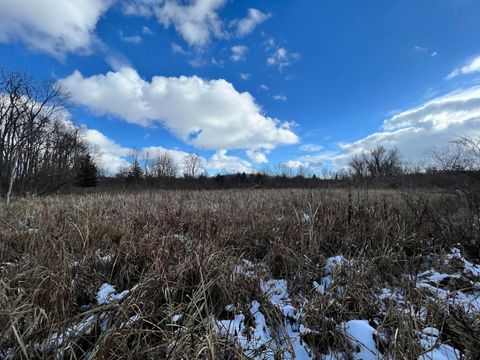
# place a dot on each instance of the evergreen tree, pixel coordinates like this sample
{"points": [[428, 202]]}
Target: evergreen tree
{"points": [[135, 174], [87, 172]]}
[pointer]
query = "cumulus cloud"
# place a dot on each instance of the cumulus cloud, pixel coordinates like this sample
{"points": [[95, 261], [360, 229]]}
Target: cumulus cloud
{"points": [[112, 157], [256, 156], [208, 114], [281, 58], [197, 21], [52, 26], [238, 52], [246, 25], [221, 162], [419, 129], [473, 66], [108, 155]]}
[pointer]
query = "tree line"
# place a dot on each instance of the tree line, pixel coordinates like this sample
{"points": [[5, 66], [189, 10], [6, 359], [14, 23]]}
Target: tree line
{"points": [[40, 150]]}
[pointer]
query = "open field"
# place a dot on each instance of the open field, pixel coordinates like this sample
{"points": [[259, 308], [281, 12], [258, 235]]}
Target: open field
{"points": [[317, 274]]}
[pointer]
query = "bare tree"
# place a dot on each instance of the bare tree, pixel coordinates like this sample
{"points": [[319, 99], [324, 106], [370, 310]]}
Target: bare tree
{"points": [[358, 166], [462, 154], [377, 162], [39, 149], [164, 165], [192, 165]]}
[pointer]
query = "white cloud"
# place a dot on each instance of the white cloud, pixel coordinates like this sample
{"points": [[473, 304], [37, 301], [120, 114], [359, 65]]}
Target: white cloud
{"points": [[238, 52], [147, 31], [221, 162], [311, 161], [177, 49], [311, 147], [117, 60], [52, 26], [208, 114], [473, 66], [417, 130], [111, 157], [196, 20], [246, 25], [419, 49], [245, 76], [279, 97], [269, 44], [134, 39], [264, 87], [139, 7], [433, 54], [281, 57], [108, 155], [293, 164], [256, 156]]}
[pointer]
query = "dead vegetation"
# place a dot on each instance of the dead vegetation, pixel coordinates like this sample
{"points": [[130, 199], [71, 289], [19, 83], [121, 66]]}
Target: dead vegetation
{"points": [[176, 254]]}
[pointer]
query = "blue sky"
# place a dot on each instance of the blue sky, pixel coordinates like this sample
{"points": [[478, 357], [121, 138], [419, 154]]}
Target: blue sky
{"points": [[249, 83]]}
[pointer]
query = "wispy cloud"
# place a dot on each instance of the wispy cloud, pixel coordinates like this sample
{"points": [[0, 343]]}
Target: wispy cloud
{"points": [[239, 52], [282, 58], [177, 49], [197, 22], [147, 31], [134, 39], [279, 97], [311, 147], [246, 25], [471, 67]]}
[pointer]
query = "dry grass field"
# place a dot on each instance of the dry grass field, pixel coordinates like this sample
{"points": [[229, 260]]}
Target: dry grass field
{"points": [[263, 274]]}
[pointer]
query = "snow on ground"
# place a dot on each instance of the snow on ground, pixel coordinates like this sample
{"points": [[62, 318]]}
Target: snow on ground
{"points": [[57, 340], [286, 338], [361, 336], [261, 335], [282, 338], [291, 333], [106, 294], [249, 338], [468, 267], [459, 287], [435, 350], [333, 263]]}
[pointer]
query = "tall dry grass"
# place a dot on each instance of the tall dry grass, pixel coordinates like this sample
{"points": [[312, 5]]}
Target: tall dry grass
{"points": [[178, 251]]}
